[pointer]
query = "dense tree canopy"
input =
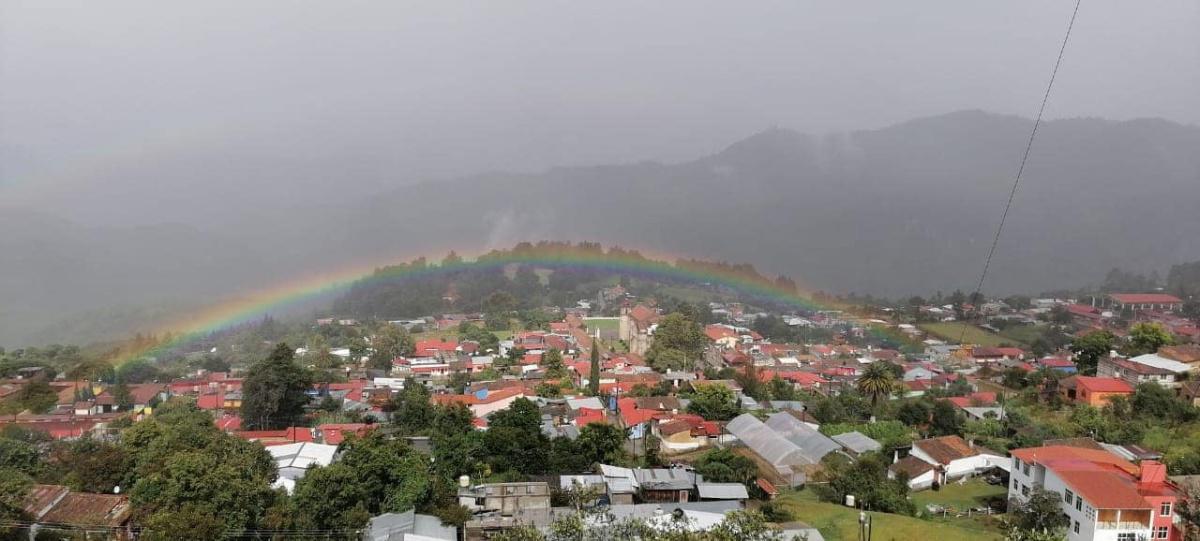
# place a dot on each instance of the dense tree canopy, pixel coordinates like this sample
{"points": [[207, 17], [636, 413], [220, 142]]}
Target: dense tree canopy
{"points": [[678, 342], [274, 391], [1090, 348], [714, 402], [186, 475]]}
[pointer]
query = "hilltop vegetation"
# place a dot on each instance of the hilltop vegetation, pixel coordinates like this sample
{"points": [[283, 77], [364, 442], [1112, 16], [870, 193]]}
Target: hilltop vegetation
{"points": [[918, 195]]}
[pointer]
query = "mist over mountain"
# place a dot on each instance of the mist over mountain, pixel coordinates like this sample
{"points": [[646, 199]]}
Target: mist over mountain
{"points": [[908, 209]]}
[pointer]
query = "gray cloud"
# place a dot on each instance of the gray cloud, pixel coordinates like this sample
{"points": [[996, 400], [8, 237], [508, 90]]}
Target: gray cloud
{"points": [[141, 111]]}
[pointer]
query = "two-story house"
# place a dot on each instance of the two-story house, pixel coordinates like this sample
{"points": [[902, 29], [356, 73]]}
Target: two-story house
{"points": [[1105, 497]]}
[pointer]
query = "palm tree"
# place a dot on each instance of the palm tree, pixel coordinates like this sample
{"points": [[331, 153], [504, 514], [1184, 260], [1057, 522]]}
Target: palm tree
{"points": [[877, 381]]}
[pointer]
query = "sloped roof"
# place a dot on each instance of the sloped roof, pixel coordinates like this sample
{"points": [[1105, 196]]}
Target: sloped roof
{"points": [[946, 449], [1102, 385], [664, 479], [912, 466], [1103, 489], [1066, 454], [813, 444], [1144, 298], [857, 442], [722, 491], [41, 498], [661, 403], [84, 509], [1163, 363], [767, 443]]}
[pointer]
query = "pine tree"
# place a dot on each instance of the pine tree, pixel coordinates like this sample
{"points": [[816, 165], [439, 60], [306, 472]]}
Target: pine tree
{"points": [[594, 373]]}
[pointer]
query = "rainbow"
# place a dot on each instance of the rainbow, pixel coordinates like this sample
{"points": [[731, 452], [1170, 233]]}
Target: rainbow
{"points": [[298, 292]]}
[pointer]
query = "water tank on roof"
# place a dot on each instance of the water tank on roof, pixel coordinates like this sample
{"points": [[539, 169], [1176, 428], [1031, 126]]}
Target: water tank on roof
{"points": [[464, 481]]}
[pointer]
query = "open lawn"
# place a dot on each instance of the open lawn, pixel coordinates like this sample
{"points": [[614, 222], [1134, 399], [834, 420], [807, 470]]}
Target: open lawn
{"points": [[604, 324], [688, 294], [838, 522], [974, 493], [1025, 334], [951, 331], [452, 334]]}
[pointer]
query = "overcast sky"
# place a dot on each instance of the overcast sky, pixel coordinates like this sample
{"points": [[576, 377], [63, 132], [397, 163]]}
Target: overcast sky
{"points": [[124, 111]]}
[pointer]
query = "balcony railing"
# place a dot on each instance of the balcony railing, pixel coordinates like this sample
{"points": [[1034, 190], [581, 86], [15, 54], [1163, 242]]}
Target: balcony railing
{"points": [[1122, 525]]}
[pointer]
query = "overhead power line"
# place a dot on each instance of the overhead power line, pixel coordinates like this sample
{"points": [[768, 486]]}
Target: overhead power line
{"points": [[1012, 194]]}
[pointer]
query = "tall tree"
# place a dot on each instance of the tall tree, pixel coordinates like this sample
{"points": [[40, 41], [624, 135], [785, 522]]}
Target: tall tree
{"points": [[411, 409], [714, 402], [186, 476], [1147, 337], [1039, 517], [877, 381], [274, 391], [594, 371], [676, 337], [601, 443], [1090, 348], [390, 341], [552, 362], [944, 419], [374, 475]]}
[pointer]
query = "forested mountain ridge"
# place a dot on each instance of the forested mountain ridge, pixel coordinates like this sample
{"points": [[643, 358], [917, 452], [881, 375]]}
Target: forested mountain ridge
{"points": [[907, 209]]}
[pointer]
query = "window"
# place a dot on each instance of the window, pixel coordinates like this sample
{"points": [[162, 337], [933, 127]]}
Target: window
{"points": [[1126, 536], [1165, 510], [1076, 528], [1079, 504], [1025, 468], [1016, 463], [1024, 490], [1068, 497], [1162, 532]]}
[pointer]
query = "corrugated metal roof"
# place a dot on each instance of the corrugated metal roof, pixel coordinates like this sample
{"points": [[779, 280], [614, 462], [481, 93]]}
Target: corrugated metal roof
{"points": [[722, 491], [813, 444], [664, 479], [767, 443], [857, 442]]}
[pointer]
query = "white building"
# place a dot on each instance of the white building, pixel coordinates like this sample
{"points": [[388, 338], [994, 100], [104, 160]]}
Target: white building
{"points": [[293, 460], [948, 458], [1105, 497]]}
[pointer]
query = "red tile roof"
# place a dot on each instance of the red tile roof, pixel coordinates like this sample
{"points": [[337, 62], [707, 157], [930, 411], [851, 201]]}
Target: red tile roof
{"points": [[229, 423], [974, 399], [1055, 362], [425, 347], [1103, 385], [587, 416], [1065, 453], [946, 448], [335, 433], [717, 332], [643, 314], [1101, 478], [85, 509], [1145, 298], [41, 498]]}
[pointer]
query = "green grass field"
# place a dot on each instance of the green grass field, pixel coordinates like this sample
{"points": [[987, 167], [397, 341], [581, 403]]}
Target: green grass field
{"points": [[837, 522], [952, 330], [452, 334], [1025, 334], [971, 494], [604, 324]]}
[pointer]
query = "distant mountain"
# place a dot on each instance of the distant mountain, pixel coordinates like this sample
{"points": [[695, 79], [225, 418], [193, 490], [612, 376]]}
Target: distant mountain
{"points": [[908, 209], [61, 281]]}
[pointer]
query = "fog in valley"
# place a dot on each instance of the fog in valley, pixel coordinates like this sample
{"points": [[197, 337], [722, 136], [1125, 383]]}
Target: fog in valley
{"points": [[155, 157]]}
